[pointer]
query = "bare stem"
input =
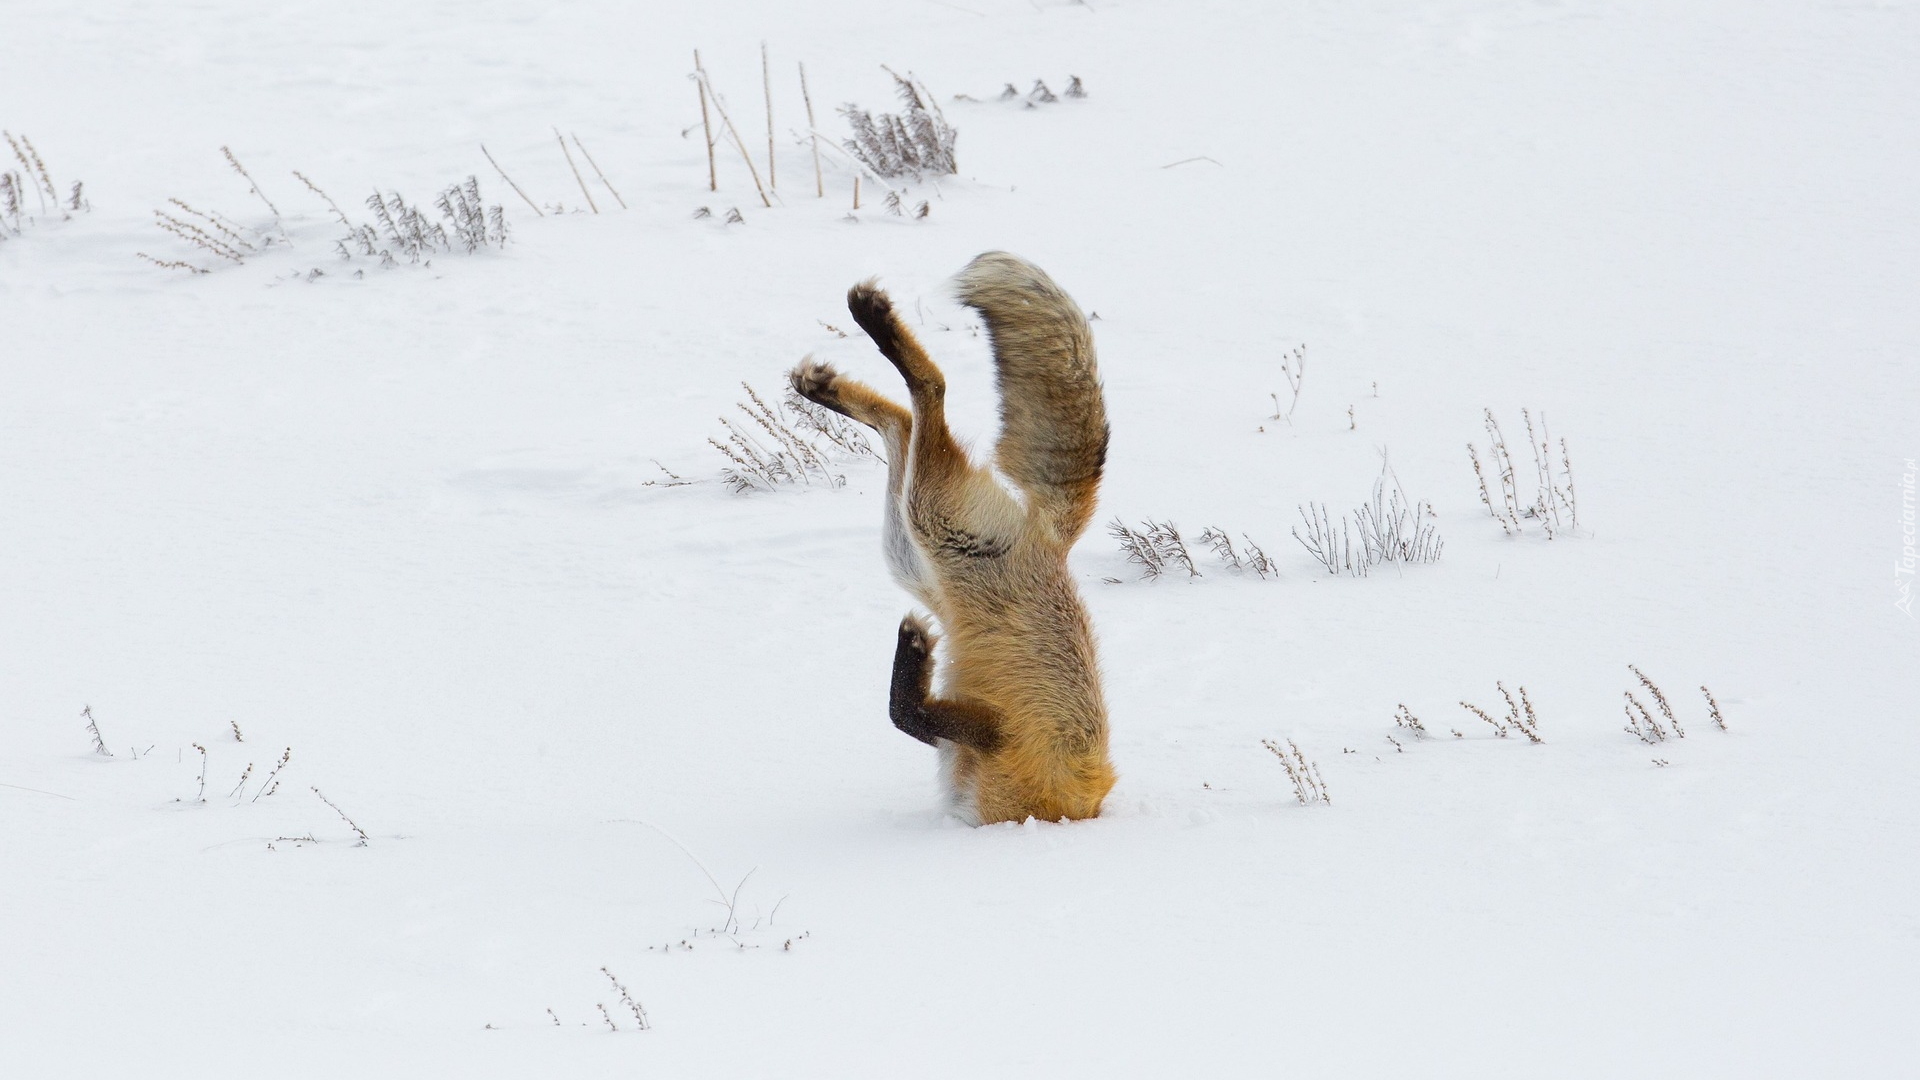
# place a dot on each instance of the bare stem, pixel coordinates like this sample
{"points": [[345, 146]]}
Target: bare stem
{"points": [[706, 126], [242, 170], [576, 170], [597, 172], [343, 817], [819, 185], [509, 180], [766, 84], [721, 107]]}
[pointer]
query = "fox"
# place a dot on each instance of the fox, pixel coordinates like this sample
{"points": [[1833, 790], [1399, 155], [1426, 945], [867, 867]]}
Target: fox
{"points": [[1019, 720]]}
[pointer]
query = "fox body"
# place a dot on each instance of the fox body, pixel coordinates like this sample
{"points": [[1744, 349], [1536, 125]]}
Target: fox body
{"points": [[1019, 717]]}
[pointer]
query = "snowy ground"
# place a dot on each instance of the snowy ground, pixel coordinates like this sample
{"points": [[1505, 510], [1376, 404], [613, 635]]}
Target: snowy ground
{"points": [[408, 523]]}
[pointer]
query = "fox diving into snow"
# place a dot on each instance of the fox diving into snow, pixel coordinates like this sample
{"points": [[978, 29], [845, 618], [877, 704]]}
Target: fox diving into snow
{"points": [[1019, 719]]}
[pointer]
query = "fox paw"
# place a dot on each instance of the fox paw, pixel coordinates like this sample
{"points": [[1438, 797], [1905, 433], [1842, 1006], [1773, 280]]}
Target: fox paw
{"points": [[914, 637], [873, 310], [869, 304], [815, 381]]}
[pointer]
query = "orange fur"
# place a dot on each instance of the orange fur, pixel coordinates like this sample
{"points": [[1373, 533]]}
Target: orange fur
{"points": [[1020, 717]]}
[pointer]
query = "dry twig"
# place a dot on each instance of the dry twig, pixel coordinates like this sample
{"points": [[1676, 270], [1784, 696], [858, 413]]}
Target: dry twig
{"points": [[577, 178], [509, 180]]}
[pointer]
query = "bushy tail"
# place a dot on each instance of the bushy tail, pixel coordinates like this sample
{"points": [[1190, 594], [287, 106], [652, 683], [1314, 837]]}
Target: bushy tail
{"points": [[1053, 419]]}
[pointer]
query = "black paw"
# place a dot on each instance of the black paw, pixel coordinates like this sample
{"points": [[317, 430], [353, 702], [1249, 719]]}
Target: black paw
{"points": [[873, 310], [914, 638]]}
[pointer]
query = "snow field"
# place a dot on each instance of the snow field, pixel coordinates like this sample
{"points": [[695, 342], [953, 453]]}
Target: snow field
{"points": [[410, 525]]}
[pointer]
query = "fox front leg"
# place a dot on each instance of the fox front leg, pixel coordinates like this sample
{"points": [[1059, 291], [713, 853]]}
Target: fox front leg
{"points": [[915, 711]]}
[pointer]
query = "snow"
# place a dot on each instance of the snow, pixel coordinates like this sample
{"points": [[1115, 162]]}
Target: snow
{"points": [[409, 525]]}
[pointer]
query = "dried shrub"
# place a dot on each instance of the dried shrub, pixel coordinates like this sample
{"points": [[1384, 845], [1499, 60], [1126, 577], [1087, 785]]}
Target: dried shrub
{"points": [[1389, 529], [797, 442], [1713, 706], [915, 142], [1308, 787], [35, 177], [1554, 506], [1659, 700], [639, 1014], [93, 729], [1155, 547], [1293, 366], [1251, 557], [404, 230], [1520, 716], [1641, 724]]}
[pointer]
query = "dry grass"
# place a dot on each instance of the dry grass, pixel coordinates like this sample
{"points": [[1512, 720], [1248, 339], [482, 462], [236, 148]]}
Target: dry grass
{"points": [[915, 142], [1251, 557], [1553, 507], [639, 1014], [12, 204], [400, 229], [1645, 724], [458, 221], [362, 833], [794, 442], [1293, 367], [1641, 724], [93, 729], [251, 182], [896, 205], [210, 232], [1520, 716], [1308, 786], [32, 176], [1498, 728], [272, 782], [1158, 547], [1040, 95], [1391, 528], [1659, 700], [1713, 707], [201, 795]]}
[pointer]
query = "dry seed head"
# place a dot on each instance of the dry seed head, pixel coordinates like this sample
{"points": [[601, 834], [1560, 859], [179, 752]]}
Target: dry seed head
{"points": [[1643, 724], [93, 728], [1659, 698], [1719, 720], [251, 183], [1498, 728], [1532, 726]]}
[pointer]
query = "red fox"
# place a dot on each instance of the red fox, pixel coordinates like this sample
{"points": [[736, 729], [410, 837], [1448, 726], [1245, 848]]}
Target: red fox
{"points": [[1019, 721]]}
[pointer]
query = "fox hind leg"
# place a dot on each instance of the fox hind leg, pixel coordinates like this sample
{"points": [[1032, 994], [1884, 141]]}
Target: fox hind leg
{"points": [[822, 385], [953, 508], [872, 308], [819, 383]]}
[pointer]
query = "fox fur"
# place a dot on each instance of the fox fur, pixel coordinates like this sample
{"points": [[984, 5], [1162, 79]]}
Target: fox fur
{"points": [[1019, 720]]}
